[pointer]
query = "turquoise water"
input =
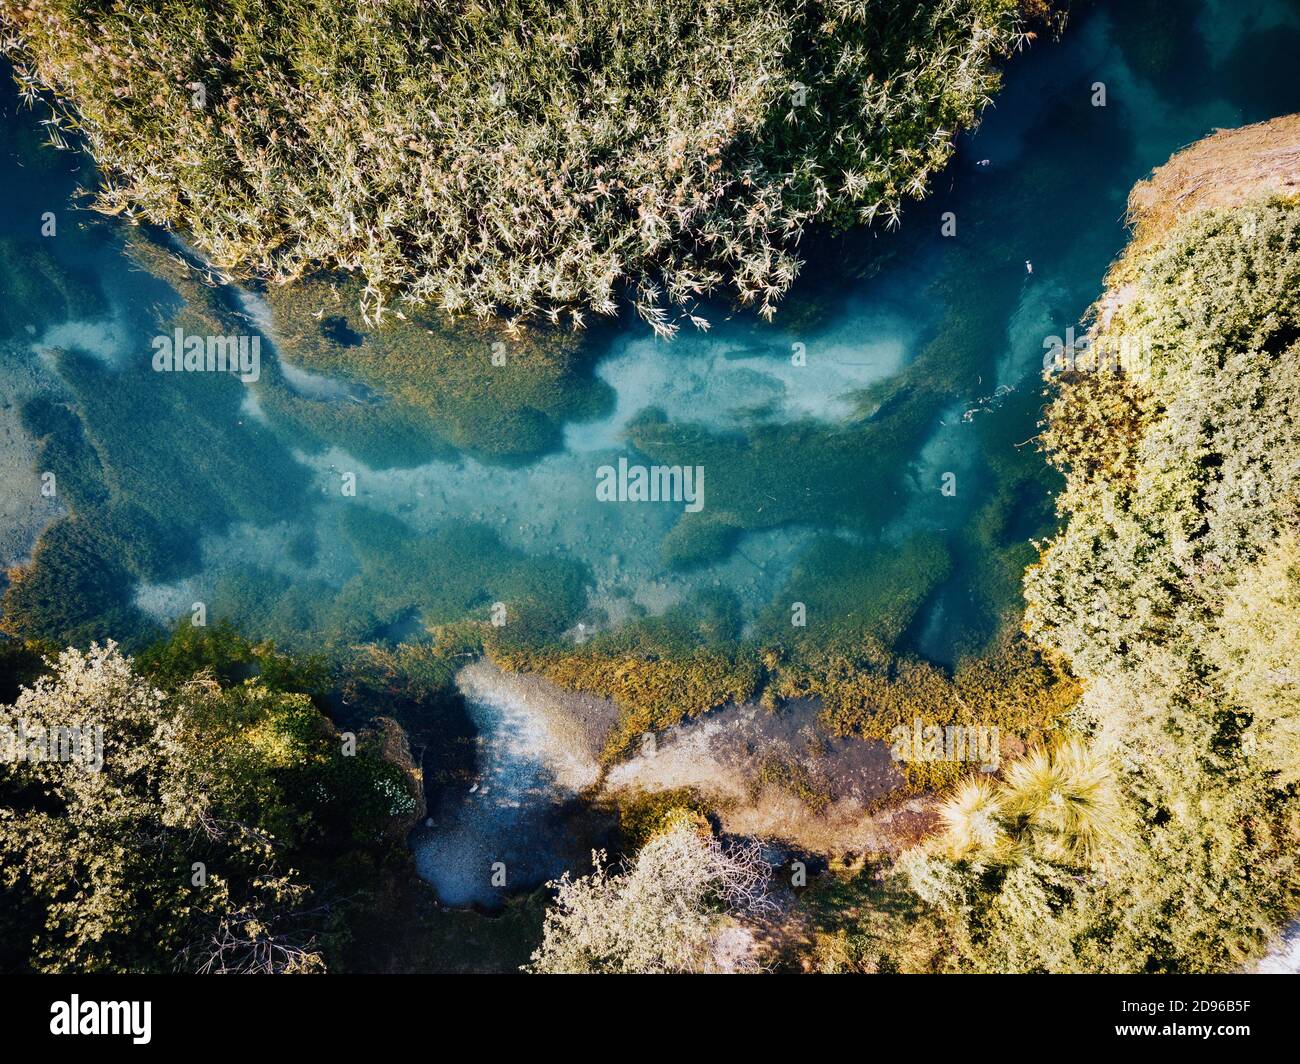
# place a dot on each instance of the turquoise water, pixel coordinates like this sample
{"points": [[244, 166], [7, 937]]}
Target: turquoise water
{"points": [[900, 363]]}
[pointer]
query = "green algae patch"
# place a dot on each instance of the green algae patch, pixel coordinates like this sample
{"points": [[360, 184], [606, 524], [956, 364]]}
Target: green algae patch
{"points": [[459, 570], [174, 473], [753, 485], [40, 292], [659, 670], [451, 573], [141, 501], [72, 591], [466, 386], [857, 600]]}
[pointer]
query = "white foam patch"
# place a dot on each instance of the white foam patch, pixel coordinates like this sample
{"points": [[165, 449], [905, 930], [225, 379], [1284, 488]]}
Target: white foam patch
{"points": [[718, 379], [317, 386], [258, 310], [528, 764], [251, 407], [103, 338]]}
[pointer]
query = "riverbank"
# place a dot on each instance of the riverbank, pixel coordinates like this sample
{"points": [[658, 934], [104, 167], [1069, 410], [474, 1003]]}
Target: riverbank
{"points": [[541, 786]]}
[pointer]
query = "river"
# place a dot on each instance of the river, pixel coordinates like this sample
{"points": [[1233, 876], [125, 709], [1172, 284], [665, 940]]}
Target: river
{"points": [[901, 364]]}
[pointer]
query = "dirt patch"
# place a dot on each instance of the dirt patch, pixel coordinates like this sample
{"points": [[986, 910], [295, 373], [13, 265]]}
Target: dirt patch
{"points": [[770, 774], [773, 775], [1226, 169], [568, 729]]}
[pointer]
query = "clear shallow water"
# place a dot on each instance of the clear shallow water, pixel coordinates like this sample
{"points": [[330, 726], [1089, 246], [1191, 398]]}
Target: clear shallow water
{"points": [[521, 810], [921, 358]]}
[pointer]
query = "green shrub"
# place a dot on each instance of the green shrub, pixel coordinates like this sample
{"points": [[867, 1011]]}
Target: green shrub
{"points": [[1170, 592], [226, 829]]}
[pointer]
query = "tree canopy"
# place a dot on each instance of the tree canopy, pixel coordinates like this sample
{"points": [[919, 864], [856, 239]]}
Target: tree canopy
{"points": [[193, 843]]}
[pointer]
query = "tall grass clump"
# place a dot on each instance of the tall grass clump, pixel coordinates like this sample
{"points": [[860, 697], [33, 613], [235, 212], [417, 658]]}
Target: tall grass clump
{"points": [[519, 158]]}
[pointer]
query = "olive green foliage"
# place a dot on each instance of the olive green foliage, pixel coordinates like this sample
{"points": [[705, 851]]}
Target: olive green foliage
{"points": [[414, 670], [864, 918], [1254, 648], [20, 665], [226, 830], [516, 157], [219, 651], [1013, 688], [1207, 485], [642, 815], [1172, 593]]}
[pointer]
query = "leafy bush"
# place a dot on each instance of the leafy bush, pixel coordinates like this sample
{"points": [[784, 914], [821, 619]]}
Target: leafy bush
{"points": [[182, 851], [673, 909], [1171, 592]]}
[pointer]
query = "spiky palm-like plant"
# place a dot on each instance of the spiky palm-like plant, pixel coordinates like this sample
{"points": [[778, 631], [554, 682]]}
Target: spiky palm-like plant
{"points": [[1063, 799], [1058, 803], [972, 817]]}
